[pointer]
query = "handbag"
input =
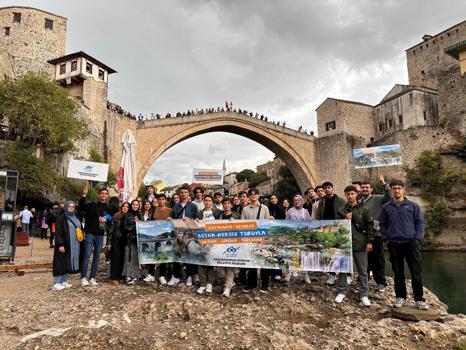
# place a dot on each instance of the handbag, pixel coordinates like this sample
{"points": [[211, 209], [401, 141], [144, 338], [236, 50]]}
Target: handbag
{"points": [[79, 232]]}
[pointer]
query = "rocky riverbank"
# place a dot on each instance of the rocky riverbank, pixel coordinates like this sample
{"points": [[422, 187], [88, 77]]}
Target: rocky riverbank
{"points": [[148, 316]]}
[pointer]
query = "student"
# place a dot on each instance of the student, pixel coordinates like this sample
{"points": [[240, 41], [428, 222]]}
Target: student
{"points": [[228, 273], [97, 220], [67, 247], [331, 207], [376, 258], [198, 198], [150, 193], [117, 245], [275, 210], [185, 209], [362, 232], [256, 211], [218, 198], [131, 263], [285, 205], [236, 204], [163, 212], [402, 229], [174, 201], [207, 273], [311, 198], [320, 194], [146, 211]]}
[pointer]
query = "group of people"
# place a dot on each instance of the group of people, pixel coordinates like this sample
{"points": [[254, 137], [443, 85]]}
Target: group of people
{"points": [[376, 219], [228, 107]]}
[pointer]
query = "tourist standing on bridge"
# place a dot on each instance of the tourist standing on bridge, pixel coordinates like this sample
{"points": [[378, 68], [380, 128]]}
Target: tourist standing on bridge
{"points": [[67, 247], [256, 211], [131, 269], [402, 229], [97, 220], [376, 259], [362, 234]]}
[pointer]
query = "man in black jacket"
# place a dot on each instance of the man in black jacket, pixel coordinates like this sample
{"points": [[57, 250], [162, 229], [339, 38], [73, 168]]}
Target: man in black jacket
{"points": [[96, 216]]}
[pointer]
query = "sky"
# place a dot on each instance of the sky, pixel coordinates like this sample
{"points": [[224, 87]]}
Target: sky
{"points": [[277, 58]]}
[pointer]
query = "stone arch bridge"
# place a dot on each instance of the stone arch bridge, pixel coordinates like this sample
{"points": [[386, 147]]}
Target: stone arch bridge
{"points": [[154, 137]]}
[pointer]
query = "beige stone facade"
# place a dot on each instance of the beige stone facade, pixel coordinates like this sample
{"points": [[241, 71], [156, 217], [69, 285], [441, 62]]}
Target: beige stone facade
{"points": [[427, 59], [29, 38]]}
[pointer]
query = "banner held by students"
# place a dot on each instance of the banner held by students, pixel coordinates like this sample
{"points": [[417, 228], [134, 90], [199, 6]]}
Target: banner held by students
{"points": [[272, 244], [373, 157], [85, 170]]}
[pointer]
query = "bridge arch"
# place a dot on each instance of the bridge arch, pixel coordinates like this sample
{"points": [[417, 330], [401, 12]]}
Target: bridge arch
{"points": [[296, 149]]}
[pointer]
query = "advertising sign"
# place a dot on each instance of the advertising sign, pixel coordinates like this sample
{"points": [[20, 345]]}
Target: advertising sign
{"points": [[208, 176], [85, 170]]}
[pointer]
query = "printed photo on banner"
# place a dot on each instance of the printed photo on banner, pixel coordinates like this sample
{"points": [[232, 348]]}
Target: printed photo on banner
{"points": [[85, 170], [207, 176], [273, 244], [373, 157]]}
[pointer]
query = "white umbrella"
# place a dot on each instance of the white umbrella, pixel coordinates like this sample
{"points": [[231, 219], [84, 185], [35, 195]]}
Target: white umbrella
{"points": [[127, 173]]}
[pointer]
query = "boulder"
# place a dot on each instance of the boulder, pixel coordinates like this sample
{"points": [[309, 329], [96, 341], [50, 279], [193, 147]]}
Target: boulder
{"points": [[411, 313]]}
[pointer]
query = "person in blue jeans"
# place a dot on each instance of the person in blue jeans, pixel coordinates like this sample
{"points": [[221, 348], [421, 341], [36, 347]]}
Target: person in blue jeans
{"points": [[97, 217]]}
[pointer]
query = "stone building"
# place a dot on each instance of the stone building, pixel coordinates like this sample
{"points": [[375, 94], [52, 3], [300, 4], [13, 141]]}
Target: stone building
{"points": [[29, 38], [271, 169], [429, 113]]}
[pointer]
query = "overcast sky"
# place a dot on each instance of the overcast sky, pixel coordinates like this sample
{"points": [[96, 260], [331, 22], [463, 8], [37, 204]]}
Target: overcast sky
{"points": [[280, 58]]}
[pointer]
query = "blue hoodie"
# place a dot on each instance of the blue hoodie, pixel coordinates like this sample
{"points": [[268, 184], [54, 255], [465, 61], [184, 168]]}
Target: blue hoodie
{"points": [[403, 223]]}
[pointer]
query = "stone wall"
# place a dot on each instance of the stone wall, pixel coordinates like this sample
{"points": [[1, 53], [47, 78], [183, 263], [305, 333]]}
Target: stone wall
{"points": [[452, 100], [348, 117], [334, 157], [426, 59], [411, 108], [29, 44]]}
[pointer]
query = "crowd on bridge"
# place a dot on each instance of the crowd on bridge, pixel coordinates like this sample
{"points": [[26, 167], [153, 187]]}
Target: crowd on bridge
{"points": [[227, 107], [84, 227]]}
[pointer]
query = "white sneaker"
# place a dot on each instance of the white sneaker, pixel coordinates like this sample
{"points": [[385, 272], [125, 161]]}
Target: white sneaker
{"points": [[339, 298], [84, 282], [131, 281], [331, 279], [277, 278], [307, 278], [365, 301], [162, 281], [66, 285], [288, 276], [196, 278], [58, 286], [399, 302], [226, 292], [200, 290], [189, 281], [149, 278], [208, 288], [93, 282], [349, 280], [421, 305], [173, 281]]}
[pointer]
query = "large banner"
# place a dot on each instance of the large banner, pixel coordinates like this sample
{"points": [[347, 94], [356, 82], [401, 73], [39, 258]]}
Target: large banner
{"points": [[85, 170], [272, 244], [207, 176], [373, 157]]}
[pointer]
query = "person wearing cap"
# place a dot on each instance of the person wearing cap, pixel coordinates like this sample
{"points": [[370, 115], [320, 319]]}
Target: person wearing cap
{"points": [[67, 247]]}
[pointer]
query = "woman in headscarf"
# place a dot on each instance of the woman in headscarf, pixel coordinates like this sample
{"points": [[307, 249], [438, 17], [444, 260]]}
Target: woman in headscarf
{"points": [[298, 213], [117, 245], [131, 266], [66, 253]]}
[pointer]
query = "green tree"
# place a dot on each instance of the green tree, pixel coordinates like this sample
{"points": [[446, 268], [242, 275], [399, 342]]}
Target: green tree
{"points": [[258, 178], [40, 111], [287, 186], [244, 175]]}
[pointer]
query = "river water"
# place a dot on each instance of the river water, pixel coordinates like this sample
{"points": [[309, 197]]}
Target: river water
{"points": [[444, 273]]}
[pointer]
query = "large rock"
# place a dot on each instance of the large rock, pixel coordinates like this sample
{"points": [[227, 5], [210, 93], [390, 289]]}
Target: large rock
{"points": [[411, 313]]}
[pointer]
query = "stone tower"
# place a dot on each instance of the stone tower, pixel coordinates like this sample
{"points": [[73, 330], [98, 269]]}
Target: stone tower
{"points": [[29, 38]]}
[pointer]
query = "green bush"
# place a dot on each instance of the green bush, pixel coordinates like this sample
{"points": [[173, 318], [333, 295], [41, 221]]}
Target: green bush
{"points": [[437, 216]]}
